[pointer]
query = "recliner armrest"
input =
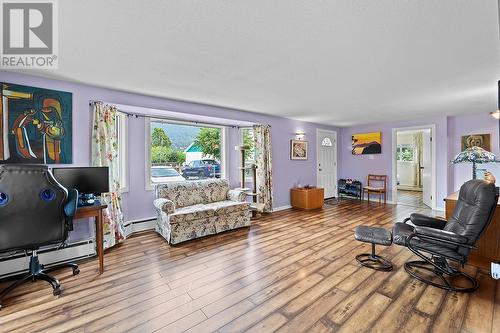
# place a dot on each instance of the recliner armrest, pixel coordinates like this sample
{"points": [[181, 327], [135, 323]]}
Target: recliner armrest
{"points": [[165, 205], [446, 236], [427, 221]]}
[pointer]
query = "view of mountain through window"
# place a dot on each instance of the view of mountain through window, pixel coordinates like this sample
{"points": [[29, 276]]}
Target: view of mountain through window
{"points": [[184, 152]]}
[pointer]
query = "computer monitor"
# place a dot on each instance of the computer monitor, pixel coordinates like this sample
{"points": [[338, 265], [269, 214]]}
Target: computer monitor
{"points": [[87, 180]]}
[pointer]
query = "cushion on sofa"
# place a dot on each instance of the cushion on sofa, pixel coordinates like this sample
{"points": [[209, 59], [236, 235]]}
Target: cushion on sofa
{"points": [[194, 212], [227, 206]]}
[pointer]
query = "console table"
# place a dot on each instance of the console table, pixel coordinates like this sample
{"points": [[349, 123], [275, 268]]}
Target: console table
{"points": [[95, 211]]}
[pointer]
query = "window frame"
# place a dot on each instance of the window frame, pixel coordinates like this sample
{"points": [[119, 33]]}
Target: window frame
{"points": [[123, 150], [248, 179], [149, 186], [399, 149]]}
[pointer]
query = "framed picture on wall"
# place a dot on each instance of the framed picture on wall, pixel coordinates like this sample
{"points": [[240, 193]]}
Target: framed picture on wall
{"points": [[367, 143], [35, 125], [298, 149], [476, 140]]}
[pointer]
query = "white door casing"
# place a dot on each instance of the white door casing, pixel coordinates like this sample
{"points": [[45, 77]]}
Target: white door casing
{"points": [[427, 168], [327, 162]]}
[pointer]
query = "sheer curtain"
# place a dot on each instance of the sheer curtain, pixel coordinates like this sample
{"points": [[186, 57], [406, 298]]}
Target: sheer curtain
{"points": [[263, 160], [105, 153]]}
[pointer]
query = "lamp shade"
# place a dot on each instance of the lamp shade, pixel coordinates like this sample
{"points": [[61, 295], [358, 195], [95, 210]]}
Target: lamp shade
{"points": [[475, 155]]}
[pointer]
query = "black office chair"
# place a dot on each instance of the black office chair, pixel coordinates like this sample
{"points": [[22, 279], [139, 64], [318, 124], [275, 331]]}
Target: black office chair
{"points": [[35, 211], [438, 241]]}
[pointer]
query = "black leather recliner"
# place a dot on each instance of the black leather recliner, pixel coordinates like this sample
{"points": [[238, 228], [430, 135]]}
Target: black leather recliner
{"points": [[439, 242], [35, 211]]}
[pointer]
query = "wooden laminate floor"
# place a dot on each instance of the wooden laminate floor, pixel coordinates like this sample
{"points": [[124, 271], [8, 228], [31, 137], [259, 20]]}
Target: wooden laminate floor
{"points": [[292, 271]]}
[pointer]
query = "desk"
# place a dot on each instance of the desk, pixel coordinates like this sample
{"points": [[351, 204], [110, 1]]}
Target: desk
{"points": [[95, 211], [489, 242]]}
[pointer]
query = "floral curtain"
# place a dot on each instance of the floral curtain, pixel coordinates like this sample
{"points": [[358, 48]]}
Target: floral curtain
{"points": [[263, 160], [105, 153], [418, 147]]}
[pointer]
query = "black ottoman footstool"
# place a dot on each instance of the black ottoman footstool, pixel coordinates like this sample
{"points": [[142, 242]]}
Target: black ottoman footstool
{"points": [[374, 236]]}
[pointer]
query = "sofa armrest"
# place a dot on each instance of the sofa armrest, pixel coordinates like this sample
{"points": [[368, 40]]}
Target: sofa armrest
{"points": [[236, 195], [165, 205], [427, 221]]}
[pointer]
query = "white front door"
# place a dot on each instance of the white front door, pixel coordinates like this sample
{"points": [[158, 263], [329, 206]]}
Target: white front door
{"points": [[427, 168], [327, 162]]}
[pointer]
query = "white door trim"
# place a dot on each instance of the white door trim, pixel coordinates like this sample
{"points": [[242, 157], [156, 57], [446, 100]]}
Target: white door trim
{"points": [[335, 144], [432, 128]]}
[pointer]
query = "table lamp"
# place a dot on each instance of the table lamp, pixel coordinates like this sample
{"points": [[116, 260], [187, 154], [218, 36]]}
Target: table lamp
{"points": [[475, 155]]}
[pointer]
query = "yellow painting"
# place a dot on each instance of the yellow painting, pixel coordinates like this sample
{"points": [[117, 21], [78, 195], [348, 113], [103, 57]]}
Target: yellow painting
{"points": [[367, 143]]}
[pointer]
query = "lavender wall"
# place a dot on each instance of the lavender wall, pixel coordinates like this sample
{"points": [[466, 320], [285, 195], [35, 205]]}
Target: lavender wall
{"points": [[448, 134], [137, 203], [359, 166], [481, 123]]}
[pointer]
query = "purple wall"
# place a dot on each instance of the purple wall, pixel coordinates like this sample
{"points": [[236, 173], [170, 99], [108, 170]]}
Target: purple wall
{"points": [[137, 203], [449, 130], [359, 166], [470, 124]]}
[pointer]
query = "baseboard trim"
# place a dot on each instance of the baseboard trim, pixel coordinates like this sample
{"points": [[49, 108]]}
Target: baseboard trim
{"points": [[277, 209], [18, 263]]}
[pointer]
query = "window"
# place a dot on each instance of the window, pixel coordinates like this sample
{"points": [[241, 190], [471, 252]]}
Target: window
{"points": [[122, 130], [326, 142], [247, 140], [183, 151], [405, 152]]}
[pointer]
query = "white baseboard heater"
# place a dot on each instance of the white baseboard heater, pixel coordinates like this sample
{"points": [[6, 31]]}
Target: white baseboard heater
{"points": [[14, 263]]}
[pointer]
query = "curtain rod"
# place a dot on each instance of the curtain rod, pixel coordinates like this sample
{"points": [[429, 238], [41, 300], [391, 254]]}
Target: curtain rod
{"points": [[141, 115]]}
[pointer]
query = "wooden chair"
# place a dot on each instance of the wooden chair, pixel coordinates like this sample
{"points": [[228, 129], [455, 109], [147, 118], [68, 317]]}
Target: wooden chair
{"points": [[374, 185]]}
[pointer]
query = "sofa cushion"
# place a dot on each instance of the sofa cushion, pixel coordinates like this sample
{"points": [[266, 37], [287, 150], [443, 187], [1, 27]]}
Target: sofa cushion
{"points": [[188, 193], [189, 213], [227, 206]]}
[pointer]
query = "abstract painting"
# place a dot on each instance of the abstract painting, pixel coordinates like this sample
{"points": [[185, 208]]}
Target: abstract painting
{"points": [[367, 143], [298, 150], [476, 140], [35, 125]]}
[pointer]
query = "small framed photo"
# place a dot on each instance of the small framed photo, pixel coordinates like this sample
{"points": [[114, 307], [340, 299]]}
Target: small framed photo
{"points": [[298, 149]]}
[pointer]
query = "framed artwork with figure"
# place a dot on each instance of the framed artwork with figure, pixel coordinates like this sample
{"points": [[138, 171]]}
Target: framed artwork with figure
{"points": [[298, 149], [476, 140], [35, 125]]}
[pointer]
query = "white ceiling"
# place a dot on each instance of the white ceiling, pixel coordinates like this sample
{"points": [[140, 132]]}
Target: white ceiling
{"points": [[340, 62]]}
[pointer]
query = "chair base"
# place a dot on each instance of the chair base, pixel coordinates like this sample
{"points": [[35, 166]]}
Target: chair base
{"points": [[374, 261], [36, 272], [412, 268]]}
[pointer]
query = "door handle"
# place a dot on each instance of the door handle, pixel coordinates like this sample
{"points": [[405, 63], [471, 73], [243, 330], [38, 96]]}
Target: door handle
{"points": [[320, 169], [421, 168]]}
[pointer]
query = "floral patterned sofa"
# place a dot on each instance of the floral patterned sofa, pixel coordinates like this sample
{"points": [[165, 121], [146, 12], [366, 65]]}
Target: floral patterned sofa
{"points": [[193, 209]]}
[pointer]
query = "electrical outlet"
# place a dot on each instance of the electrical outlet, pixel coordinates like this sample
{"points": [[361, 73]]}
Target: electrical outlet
{"points": [[495, 271]]}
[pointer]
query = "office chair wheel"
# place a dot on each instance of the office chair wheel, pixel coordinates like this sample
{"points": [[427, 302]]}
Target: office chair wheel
{"points": [[57, 292], [76, 271]]}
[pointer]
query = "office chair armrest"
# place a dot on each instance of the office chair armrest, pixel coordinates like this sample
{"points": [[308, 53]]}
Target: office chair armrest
{"points": [[71, 203], [426, 221], [165, 205], [441, 236], [70, 207]]}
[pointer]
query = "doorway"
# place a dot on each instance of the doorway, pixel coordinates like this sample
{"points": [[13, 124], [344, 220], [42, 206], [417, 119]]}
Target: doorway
{"points": [[413, 167], [326, 152]]}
